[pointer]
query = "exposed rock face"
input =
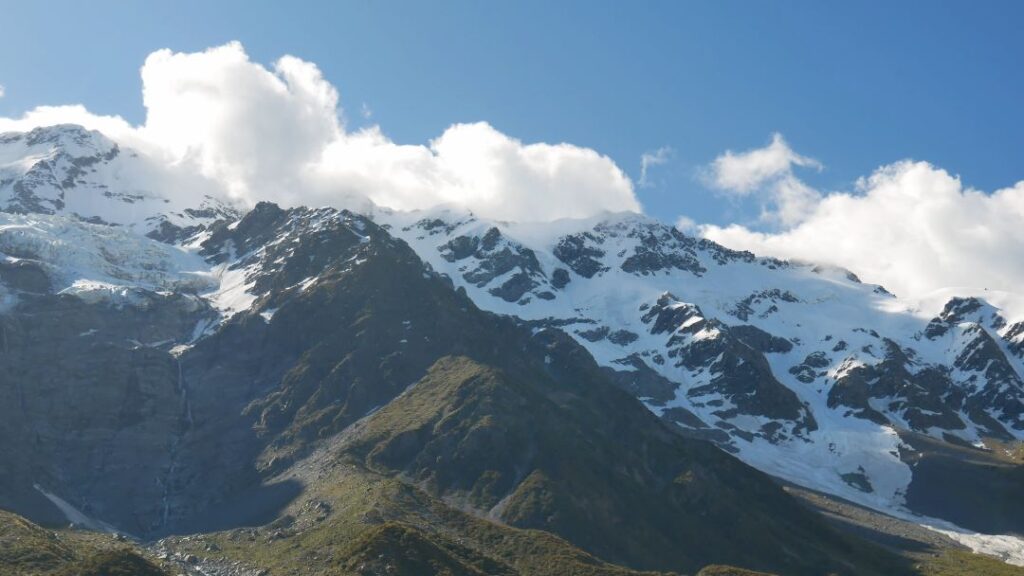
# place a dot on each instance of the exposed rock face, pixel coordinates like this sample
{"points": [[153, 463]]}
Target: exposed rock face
{"points": [[992, 385], [810, 369], [659, 250], [19, 275], [924, 398], [580, 253], [762, 303], [515, 267], [91, 403], [736, 379], [642, 381], [760, 340], [957, 311], [1014, 338]]}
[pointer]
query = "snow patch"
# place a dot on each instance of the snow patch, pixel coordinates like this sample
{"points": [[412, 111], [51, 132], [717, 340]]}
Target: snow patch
{"points": [[74, 515]]}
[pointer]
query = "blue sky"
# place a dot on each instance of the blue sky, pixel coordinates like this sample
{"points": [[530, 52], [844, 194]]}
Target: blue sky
{"points": [[853, 86]]}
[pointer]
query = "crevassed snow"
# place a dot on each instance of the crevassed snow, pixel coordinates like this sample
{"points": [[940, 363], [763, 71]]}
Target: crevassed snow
{"points": [[113, 264], [84, 259]]}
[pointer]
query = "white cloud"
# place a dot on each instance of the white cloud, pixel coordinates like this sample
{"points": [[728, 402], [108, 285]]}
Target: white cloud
{"points": [[687, 224], [276, 134], [252, 128], [476, 166], [365, 111], [113, 126], [3, 91], [767, 173], [744, 172], [910, 226], [648, 159]]}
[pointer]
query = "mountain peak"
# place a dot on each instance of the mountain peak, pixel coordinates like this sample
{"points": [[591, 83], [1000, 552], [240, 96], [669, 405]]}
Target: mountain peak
{"points": [[73, 139], [68, 170]]}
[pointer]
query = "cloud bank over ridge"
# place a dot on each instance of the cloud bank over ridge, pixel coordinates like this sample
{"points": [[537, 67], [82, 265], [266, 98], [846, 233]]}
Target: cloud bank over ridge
{"points": [[910, 226], [277, 134]]}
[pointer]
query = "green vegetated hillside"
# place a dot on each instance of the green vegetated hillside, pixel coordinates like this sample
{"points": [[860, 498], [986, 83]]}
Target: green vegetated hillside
{"points": [[30, 550], [961, 562], [319, 540]]}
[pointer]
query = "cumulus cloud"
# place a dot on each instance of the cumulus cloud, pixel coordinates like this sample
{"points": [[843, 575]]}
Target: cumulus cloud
{"points": [[767, 173], [477, 166], [275, 133], [648, 159], [252, 128], [910, 226], [687, 224], [744, 172]]}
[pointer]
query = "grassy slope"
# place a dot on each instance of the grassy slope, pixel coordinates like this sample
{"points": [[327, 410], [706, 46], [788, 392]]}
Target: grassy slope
{"points": [[359, 522], [30, 550], [356, 545], [585, 463], [355, 520], [960, 563]]}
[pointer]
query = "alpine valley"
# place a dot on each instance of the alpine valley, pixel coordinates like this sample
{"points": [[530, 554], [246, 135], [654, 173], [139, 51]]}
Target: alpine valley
{"points": [[205, 389]]}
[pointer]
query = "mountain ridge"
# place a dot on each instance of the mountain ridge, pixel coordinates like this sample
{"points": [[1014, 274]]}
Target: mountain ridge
{"points": [[306, 325]]}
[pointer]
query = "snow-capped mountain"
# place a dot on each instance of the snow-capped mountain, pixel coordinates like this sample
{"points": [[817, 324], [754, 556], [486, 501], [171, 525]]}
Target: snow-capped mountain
{"points": [[68, 170], [799, 370]]}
